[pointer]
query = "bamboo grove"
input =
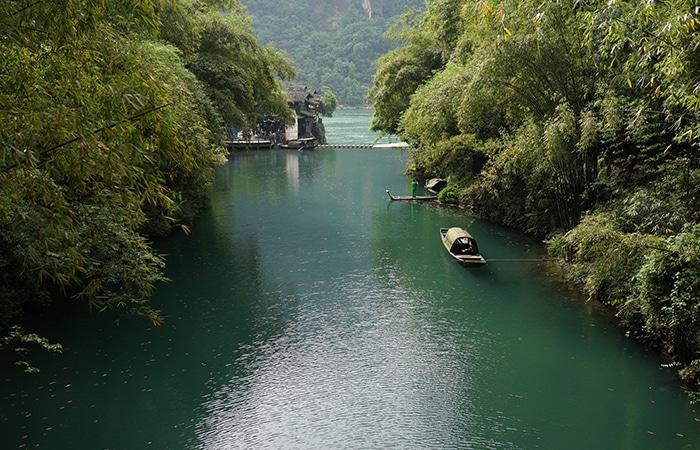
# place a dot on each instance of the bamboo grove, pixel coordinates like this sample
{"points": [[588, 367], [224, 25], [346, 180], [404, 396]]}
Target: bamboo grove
{"points": [[575, 121], [111, 117]]}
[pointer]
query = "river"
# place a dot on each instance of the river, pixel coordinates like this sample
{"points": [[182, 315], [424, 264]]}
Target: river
{"points": [[307, 311]]}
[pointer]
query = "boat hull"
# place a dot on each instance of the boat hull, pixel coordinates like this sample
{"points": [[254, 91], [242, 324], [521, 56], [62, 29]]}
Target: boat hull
{"points": [[411, 197], [471, 262], [249, 144]]}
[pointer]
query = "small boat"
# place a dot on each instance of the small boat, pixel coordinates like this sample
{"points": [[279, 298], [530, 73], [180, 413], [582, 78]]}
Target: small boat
{"points": [[462, 246], [435, 185], [411, 197], [301, 143], [249, 144]]}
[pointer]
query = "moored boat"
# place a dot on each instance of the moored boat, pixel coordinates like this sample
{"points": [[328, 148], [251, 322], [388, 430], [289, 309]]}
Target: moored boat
{"points": [[249, 144], [301, 143], [410, 197], [462, 246], [435, 185]]}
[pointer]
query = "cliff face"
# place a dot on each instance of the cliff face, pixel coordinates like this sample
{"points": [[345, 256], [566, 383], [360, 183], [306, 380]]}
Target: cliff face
{"points": [[367, 6]]}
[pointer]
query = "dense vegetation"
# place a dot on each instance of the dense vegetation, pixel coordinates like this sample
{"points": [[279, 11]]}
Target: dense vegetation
{"points": [[111, 117], [333, 43], [576, 121]]}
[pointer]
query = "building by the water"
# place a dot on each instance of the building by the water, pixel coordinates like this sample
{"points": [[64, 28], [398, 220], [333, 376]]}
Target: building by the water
{"points": [[306, 132], [309, 125]]}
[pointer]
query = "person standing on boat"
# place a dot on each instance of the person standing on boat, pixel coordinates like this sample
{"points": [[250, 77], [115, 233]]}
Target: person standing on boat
{"points": [[414, 187]]}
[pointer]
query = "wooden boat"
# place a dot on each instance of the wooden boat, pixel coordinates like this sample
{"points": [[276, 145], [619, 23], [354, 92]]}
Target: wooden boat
{"points": [[462, 246], [410, 197], [301, 143], [249, 144], [435, 185]]}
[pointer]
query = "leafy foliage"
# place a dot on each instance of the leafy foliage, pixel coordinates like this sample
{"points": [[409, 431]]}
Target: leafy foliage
{"points": [[111, 114], [584, 116], [667, 296], [239, 76], [401, 72], [17, 340], [604, 258], [329, 102]]}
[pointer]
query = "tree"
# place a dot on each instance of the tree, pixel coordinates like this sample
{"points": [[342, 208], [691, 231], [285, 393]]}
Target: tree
{"points": [[401, 71], [653, 47], [329, 103], [585, 116], [102, 118], [242, 79], [107, 132], [500, 78], [316, 34]]}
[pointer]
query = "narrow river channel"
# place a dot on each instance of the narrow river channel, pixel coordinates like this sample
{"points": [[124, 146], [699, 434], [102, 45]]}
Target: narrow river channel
{"points": [[307, 311]]}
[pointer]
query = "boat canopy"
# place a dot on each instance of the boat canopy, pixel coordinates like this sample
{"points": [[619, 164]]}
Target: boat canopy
{"points": [[461, 242]]}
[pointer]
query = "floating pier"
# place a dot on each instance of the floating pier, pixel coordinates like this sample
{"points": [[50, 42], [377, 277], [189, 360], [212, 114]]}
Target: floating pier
{"points": [[376, 146], [344, 146]]}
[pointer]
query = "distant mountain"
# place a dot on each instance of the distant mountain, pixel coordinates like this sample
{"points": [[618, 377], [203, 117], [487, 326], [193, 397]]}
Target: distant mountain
{"points": [[333, 43]]}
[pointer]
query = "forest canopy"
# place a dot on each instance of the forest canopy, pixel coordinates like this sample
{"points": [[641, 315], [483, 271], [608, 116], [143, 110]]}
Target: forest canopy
{"points": [[575, 121], [113, 113], [333, 43]]}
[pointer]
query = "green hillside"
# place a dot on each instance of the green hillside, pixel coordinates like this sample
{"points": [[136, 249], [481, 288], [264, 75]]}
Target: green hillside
{"points": [[333, 43]]}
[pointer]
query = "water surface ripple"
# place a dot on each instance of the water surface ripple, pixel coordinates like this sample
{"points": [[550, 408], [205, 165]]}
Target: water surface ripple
{"points": [[306, 311]]}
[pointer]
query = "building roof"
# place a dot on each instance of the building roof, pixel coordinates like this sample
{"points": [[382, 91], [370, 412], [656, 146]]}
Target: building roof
{"points": [[301, 93]]}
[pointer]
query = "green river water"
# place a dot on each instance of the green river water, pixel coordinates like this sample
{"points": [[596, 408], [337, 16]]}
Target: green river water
{"points": [[307, 311]]}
